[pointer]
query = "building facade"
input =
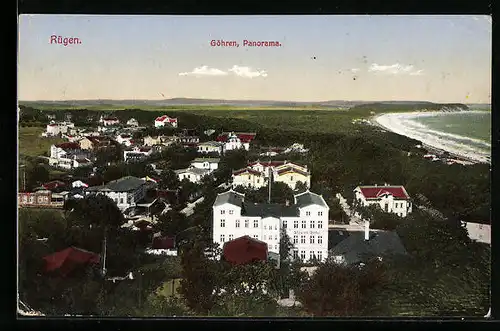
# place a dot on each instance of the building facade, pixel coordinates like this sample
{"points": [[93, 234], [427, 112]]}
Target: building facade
{"points": [[165, 121], [392, 199], [305, 222], [236, 140], [210, 164], [40, 199], [211, 147], [256, 175]]}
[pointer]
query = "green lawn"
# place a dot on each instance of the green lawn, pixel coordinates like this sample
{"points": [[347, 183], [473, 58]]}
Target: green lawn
{"points": [[32, 144]]}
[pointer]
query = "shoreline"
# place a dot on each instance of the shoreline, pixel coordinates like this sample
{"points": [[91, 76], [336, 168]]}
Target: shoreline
{"points": [[431, 149]]}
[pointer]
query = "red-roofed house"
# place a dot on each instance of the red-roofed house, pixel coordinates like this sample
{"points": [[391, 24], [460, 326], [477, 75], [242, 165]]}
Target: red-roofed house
{"points": [[244, 250], [106, 121], [392, 199], [162, 245], [165, 120], [53, 185], [69, 259], [249, 177], [236, 140]]}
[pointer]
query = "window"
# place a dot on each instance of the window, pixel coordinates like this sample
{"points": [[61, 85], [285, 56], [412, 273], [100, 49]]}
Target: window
{"points": [[222, 212], [303, 224], [276, 247], [231, 212], [295, 254], [320, 213], [222, 238], [284, 224], [295, 239], [320, 239], [320, 255], [121, 200], [320, 224], [291, 178], [296, 224], [311, 255], [264, 237], [258, 181], [230, 237], [246, 223], [255, 223], [311, 224], [265, 227], [275, 237], [256, 236], [237, 223], [303, 255], [249, 177], [275, 226], [311, 239], [303, 239], [222, 223], [308, 213]]}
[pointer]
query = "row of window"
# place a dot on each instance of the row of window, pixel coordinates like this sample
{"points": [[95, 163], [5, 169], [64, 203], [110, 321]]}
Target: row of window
{"points": [[398, 204], [312, 255], [312, 239], [312, 224], [231, 212]]}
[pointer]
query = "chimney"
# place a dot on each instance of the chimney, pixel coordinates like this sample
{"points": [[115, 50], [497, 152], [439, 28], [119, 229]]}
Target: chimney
{"points": [[287, 202], [375, 185], [367, 230], [385, 184]]}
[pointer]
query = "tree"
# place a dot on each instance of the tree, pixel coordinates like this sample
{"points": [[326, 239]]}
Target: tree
{"points": [[168, 180], [172, 222]]}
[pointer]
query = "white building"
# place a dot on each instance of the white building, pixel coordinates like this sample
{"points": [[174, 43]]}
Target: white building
{"points": [[108, 121], [68, 156], [165, 120], [132, 122], [137, 153], [159, 140], [305, 222], [192, 174], [210, 164], [479, 232], [296, 148], [392, 199], [236, 140], [124, 139], [56, 128], [211, 147], [257, 173], [126, 192]]}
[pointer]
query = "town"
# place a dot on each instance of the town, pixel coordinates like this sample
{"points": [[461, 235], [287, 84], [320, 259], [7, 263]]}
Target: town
{"points": [[163, 193]]}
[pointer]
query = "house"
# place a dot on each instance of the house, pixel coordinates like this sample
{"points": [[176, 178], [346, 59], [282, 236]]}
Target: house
{"points": [[95, 142], [211, 147], [124, 139], [162, 245], [296, 148], [236, 140], [165, 120], [206, 163], [137, 154], [257, 173], [71, 137], [132, 122], [109, 121], [68, 260], [55, 185], [244, 250], [305, 222], [192, 174], [40, 199], [158, 140], [209, 132], [392, 199], [479, 232], [187, 141], [68, 156], [56, 128], [362, 246], [126, 192], [249, 177], [79, 183]]}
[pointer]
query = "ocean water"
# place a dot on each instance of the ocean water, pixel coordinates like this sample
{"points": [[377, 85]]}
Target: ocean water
{"points": [[463, 133]]}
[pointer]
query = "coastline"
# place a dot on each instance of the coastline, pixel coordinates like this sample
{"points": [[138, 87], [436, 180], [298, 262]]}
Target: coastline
{"points": [[436, 148]]}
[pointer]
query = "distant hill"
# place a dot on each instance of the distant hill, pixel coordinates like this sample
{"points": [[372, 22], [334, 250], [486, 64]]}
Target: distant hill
{"points": [[412, 105]]}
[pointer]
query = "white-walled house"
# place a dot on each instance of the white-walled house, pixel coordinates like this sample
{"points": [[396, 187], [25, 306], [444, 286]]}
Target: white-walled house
{"points": [[68, 156], [158, 140], [210, 164], [249, 177], [109, 120], [192, 174], [236, 140], [392, 199], [56, 128], [132, 122], [305, 222], [126, 192], [211, 147], [285, 172], [165, 120], [137, 153], [124, 139]]}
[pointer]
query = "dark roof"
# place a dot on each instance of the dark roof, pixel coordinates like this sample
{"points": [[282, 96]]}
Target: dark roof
{"points": [[231, 197], [68, 145], [336, 236], [163, 243], [268, 209], [245, 250], [54, 184], [68, 259], [381, 243], [308, 198], [124, 184]]}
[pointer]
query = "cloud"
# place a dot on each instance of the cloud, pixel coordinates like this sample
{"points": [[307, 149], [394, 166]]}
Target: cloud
{"points": [[204, 71], [396, 69], [247, 72]]}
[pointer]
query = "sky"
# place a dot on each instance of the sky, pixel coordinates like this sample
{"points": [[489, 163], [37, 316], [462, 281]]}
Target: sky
{"points": [[368, 58]]}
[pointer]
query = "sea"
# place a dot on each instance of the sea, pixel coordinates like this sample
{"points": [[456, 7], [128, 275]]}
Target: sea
{"points": [[465, 133]]}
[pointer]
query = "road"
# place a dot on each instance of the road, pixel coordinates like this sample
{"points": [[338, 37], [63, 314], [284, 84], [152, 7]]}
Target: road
{"points": [[353, 219]]}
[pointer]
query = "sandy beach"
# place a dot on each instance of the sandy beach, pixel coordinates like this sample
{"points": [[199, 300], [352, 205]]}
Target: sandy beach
{"points": [[436, 142]]}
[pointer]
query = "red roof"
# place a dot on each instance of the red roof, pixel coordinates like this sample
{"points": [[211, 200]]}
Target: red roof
{"points": [[54, 184], [244, 137], [374, 192], [246, 170], [66, 260], [165, 117], [69, 145], [292, 169], [245, 250], [163, 243], [267, 164], [110, 119]]}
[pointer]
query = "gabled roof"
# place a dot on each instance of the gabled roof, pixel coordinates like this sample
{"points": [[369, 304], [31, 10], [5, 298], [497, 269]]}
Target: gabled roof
{"points": [[68, 145], [381, 243], [244, 250], [167, 118], [266, 163], [124, 184], [374, 192], [163, 243], [308, 198], [269, 209], [206, 159], [245, 137], [292, 169], [53, 184], [231, 197], [247, 170], [194, 171], [66, 260], [110, 119]]}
